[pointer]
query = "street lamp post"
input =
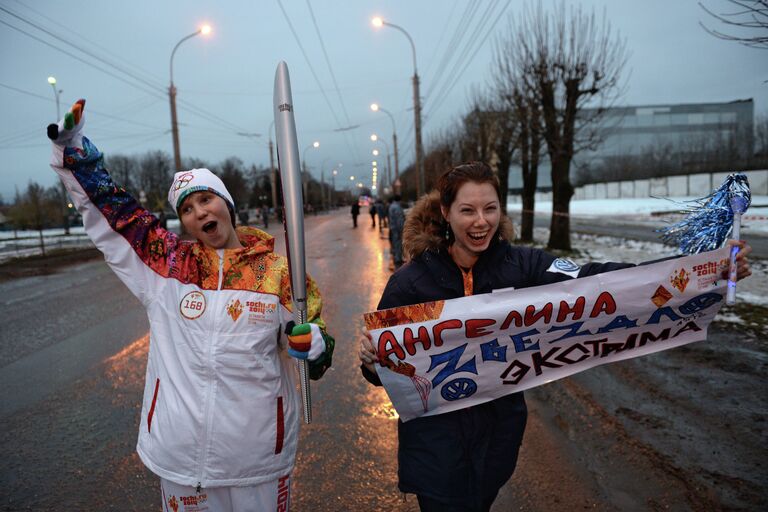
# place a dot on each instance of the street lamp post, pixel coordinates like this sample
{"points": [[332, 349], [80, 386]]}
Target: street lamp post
{"points": [[376, 138], [52, 81], [420, 187], [332, 192], [272, 170], [304, 177], [323, 195], [67, 205], [172, 96], [376, 107]]}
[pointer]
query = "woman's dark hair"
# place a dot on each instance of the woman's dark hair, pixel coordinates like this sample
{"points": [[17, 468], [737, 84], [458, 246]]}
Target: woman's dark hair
{"points": [[451, 181]]}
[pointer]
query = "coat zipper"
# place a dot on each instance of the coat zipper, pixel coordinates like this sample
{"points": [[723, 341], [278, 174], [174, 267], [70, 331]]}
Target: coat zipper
{"points": [[209, 388]]}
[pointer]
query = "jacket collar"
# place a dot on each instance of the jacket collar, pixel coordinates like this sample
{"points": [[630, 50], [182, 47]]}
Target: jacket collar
{"points": [[448, 274], [255, 241]]}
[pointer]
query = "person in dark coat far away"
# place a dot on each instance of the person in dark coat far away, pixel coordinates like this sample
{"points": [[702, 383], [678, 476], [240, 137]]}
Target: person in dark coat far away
{"points": [[372, 212], [355, 211]]}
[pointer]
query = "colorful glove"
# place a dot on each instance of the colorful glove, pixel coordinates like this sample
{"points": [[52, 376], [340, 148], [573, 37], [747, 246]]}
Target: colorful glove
{"points": [[68, 132], [305, 341]]}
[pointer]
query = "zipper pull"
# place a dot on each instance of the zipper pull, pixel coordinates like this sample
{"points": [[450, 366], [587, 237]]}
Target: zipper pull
{"points": [[199, 487]]}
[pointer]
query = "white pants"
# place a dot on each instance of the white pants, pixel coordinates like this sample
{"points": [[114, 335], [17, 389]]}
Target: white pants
{"points": [[266, 497]]}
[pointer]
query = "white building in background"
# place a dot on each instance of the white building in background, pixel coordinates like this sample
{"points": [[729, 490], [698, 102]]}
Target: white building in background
{"points": [[631, 131]]}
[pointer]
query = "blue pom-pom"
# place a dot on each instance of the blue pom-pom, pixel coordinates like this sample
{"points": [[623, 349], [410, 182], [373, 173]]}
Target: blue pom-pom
{"points": [[710, 219]]}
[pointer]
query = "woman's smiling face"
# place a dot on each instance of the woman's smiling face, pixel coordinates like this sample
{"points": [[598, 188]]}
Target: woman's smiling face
{"points": [[474, 217]]}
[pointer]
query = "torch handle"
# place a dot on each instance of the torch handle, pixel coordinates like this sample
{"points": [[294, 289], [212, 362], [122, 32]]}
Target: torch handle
{"points": [[730, 297], [306, 393]]}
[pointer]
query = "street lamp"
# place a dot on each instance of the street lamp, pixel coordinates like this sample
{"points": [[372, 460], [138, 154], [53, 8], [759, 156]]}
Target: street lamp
{"points": [[323, 195], [304, 179], [332, 192], [315, 145], [205, 30], [376, 107], [376, 138], [272, 170], [64, 194], [420, 187], [52, 81]]}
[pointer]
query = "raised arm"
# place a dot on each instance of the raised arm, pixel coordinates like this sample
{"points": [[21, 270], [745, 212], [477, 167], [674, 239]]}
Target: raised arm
{"points": [[139, 251]]}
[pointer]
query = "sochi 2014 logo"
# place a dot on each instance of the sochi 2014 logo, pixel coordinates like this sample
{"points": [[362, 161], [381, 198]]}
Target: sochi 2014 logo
{"points": [[680, 279], [234, 309]]}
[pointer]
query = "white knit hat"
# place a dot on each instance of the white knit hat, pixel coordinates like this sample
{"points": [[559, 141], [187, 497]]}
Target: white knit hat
{"points": [[195, 180]]}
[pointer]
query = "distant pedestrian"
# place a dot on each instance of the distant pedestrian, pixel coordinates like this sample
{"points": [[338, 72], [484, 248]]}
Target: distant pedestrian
{"points": [[244, 218], [381, 211], [355, 212], [265, 215], [372, 213], [396, 223]]}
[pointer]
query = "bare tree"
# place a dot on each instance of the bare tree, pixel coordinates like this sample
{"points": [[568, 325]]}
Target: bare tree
{"points": [[570, 59], [154, 178], [232, 173], [761, 138], [35, 209], [124, 170], [490, 135], [751, 15], [516, 92]]}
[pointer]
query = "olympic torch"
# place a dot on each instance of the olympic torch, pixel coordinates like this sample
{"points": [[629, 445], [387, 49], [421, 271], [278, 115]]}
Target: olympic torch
{"points": [[293, 220]]}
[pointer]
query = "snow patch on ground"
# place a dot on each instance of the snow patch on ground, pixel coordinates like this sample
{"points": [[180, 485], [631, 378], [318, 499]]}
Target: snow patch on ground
{"points": [[642, 209]]}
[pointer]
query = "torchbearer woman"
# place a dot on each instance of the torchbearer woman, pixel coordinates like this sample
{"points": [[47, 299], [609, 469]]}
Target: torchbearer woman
{"points": [[458, 242], [220, 415]]}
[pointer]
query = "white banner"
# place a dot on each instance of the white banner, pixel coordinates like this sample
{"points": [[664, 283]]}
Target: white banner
{"points": [[446, 355]]}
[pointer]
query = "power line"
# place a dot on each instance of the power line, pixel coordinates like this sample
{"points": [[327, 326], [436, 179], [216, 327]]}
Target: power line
{"points": [[312, 69], [440, 40], [458, 35], [328, 61], [468, 61], [37, 131], [333, 78], [71, 32], [156, 90], [465, 20], [459, 61], [83, 50], [84, 61], [46, 98]]}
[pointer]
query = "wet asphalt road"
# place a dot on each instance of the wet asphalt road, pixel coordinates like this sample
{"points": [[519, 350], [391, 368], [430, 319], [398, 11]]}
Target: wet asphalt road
{"points": [[73, 351]]}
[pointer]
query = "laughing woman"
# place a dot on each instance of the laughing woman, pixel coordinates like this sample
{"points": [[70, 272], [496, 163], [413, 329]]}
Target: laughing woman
{"points": [[458, 242]]}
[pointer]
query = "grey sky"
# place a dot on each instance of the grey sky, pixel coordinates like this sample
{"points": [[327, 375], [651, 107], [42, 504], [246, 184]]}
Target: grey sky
{"points": [[230, 73]]}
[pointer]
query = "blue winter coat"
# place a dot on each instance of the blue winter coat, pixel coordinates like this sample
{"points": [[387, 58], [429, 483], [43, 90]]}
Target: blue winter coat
{"points": [[464, 457]]}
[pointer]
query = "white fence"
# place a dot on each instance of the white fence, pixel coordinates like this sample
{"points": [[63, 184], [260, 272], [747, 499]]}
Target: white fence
{"points": [[692, 185]]}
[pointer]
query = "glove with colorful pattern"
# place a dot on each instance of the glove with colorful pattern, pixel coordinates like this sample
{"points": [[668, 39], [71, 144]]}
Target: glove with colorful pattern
{"points": [[68, 132], [305, 341]]}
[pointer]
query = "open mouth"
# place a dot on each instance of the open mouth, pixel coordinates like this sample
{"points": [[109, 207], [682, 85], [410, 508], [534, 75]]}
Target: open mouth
{"points": [[209, 227], [478, 237]]}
